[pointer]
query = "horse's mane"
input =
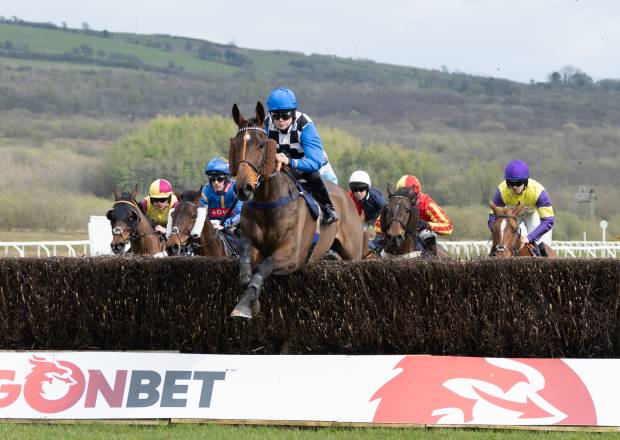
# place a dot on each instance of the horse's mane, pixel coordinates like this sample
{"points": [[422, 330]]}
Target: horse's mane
{"points": [[405, 192], [127, 197], [189, 196]]}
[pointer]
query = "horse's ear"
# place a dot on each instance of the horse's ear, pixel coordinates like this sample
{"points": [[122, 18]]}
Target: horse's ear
{"points": [[134, 192], [390, 189], [518, 209], [198, 195], [237, 116], [260, 112], [413, 196], [116, 193]]}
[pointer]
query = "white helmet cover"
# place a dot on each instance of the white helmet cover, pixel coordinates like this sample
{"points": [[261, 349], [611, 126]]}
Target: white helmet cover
{"points": [[360, 176]]}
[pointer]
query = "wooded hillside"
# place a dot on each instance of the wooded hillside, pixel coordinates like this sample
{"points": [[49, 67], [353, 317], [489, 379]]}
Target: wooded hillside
{"points": [[78, 107]]}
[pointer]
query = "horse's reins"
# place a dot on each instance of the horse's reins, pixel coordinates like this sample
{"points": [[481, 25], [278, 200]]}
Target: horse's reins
{"points": [[516, 247]]}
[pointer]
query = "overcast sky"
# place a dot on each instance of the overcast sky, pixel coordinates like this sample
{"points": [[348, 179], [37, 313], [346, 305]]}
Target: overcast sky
{"points": [[514, 39]]}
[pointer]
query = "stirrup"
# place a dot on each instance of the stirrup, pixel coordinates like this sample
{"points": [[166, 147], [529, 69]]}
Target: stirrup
{"points": [[329, 216]]}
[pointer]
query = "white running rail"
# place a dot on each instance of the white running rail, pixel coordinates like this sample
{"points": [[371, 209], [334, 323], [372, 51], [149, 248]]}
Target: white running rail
{"points": [[76, 248], [466, 250]]}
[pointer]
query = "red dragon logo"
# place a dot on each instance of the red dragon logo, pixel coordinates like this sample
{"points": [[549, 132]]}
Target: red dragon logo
{"points": [[462, 390], [53, 386]]}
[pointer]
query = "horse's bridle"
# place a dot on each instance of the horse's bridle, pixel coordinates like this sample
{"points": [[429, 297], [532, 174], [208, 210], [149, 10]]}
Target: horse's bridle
{"points": [[256, 175], [190, 244], [133, 232], [517, 231], [133, 225], [406, 232]]}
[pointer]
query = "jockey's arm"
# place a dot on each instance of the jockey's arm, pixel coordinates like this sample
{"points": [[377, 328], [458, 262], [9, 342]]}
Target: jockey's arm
{"points": [[234, 219], [314, 155], [547, 218], [376, 200], [439, 221]]}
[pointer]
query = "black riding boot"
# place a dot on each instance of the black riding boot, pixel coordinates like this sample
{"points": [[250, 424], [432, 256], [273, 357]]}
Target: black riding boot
{"points": [[320, 193], [542, 249]]}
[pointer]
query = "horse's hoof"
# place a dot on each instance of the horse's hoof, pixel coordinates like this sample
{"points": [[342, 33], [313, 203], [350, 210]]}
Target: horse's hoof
{"points": [[255, 307], [244, 282], [241, 312]]}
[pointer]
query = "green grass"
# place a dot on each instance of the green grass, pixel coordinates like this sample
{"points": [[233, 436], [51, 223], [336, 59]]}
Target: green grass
{"points": [[28, 235], [223, 432], [58, 42]]}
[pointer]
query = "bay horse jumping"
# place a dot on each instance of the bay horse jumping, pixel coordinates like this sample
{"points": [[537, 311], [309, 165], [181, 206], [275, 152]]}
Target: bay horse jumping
{"points": [[506, 234], [399, 222], [279, 234], [184, 239], [131, 227]]}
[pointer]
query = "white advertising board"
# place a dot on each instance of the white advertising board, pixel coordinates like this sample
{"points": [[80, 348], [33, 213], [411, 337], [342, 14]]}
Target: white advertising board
{"points": [[369, 389]]}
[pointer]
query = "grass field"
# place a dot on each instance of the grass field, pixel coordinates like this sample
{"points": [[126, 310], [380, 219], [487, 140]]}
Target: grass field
{"points": [[57, 42], [195, 431], [26, 235]]}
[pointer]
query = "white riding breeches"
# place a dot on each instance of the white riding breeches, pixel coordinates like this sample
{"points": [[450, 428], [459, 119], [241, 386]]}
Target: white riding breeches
{"points": [[531, 222]]}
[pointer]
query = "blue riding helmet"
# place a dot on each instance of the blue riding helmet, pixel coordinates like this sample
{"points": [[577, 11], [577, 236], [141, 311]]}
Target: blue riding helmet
{"points": [[281, 99], [516, 170], [217, 166]]}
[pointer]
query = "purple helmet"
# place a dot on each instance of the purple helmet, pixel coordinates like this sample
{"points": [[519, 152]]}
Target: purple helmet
{"points": [[516, 169]]}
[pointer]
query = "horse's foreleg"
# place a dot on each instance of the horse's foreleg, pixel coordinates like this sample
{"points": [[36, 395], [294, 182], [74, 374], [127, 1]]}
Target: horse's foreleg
{"points": [[245, 266], [248, 306]]}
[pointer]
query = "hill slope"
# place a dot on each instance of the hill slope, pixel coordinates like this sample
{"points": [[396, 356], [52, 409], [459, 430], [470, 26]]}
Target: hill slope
{"points": [[469, 126]]}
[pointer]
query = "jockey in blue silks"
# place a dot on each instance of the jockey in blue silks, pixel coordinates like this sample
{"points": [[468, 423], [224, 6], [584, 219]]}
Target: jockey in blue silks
{"points": [[300, 147], [218, 196]]}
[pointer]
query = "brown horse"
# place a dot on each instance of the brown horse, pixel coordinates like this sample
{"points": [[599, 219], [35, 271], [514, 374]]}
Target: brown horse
{"points": [[131, 227], [181, 240], [506, 234], [280, 235], [399, 221]]}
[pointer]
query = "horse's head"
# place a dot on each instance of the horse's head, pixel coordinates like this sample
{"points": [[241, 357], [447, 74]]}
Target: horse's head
{"points": [[183, 219], [505, 231], [124, 218], [252, 154], [399, 217]]}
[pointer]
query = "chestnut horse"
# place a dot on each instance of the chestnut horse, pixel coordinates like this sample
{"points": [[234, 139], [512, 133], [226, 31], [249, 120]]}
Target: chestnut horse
{"points": [[279, 234], [182, 239], [399, 222], [131, 227], [506, 234]]}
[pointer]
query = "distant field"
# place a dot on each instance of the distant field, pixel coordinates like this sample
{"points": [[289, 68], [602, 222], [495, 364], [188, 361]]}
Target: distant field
{"points": [[223, 432], [59, 42]]}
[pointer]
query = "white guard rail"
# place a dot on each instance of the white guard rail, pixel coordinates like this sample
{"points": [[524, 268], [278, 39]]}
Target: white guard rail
{"points": [[464, 250], [75, 248]]}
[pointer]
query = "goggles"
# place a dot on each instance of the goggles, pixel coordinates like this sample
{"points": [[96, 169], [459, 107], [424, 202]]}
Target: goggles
{"points": [[164, 200], [218, 179], [515, 183], [282, 115], [358, 189]]}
